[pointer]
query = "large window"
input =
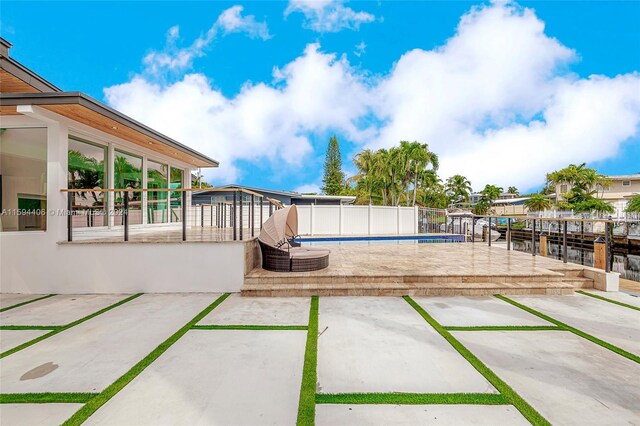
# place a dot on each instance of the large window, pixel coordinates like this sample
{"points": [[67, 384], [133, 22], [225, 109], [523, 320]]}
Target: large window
{"points": [[157, 178], [127, 172], [87, 170], [176, 196], [23, 179]]}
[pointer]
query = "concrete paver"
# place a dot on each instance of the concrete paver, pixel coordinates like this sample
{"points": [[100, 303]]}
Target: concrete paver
{"points": [[618, 296], [370, 344], [10, 299], [237, 310], [59, 309], [223, 377], [36, 414], [11, 338], [568, 379], [410, 415], [476, 311], [90, 356], [614, 324]]}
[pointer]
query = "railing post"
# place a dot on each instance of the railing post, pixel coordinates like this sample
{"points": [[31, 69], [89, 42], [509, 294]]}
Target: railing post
{"points": [[270, 208], [473, 229], [125, 212], [253, 214], [261, 208], [241, 214], [184, 215], [489, 231], [533, 238], [202, 215], [564, 242], [234, 214], [211, 215], [509, 233], [607, 249], [69, 216]]}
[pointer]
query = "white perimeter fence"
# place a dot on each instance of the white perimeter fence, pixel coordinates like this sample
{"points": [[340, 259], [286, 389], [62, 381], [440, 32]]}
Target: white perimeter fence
{"points": [[335, 220]]}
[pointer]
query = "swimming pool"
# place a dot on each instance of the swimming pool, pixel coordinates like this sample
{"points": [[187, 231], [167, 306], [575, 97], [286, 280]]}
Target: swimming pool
{"points": [[383, 239]]}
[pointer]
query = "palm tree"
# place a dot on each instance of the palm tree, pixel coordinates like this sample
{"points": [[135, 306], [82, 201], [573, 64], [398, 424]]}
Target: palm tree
{"points": [[634, 204], [512, 190], [458, 189], [490, 193], [538, 203], [395, 173], [595, 205]]}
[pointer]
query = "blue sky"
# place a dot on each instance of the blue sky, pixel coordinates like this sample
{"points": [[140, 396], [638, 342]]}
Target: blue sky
{"points": [[375, 89]]}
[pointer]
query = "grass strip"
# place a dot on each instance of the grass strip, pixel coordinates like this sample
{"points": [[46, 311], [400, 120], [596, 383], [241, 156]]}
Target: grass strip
{"points": [[412, 398], [45, 398], [30, 327], [249, 327], [17, 305], [504, 328], [66, 327], [575, 331], [88, 409], [307, 403], [606, 299], [511, 396]]}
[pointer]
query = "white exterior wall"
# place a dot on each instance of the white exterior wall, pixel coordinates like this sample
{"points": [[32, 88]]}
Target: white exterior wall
{"points": [[34, 262], [357, 220]]}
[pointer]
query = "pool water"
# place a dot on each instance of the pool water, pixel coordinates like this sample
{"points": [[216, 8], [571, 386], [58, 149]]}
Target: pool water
{"points": [[390, 239]]}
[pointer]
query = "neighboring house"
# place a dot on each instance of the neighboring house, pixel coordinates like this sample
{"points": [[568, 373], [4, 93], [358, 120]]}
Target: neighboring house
{"points": [[218, 194], [51, 140], [511, 206], [225, 193], [617, 194], [475, 197]]}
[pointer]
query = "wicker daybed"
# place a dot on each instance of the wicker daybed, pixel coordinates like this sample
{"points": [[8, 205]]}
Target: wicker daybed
{"points": [[280, 253]]}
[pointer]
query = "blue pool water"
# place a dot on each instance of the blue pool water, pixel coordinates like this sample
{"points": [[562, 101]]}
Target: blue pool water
{"points": [[390, 239]]}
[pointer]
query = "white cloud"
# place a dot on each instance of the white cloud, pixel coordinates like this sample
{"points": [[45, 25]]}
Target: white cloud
{"points": [[315, 92], [361, 49], [230, 21], [495, 102], [328, 15], [497, 105]]}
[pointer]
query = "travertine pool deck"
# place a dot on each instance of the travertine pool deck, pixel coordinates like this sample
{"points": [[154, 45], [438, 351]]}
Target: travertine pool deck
{"points": [[206, 359], [444, 269]]}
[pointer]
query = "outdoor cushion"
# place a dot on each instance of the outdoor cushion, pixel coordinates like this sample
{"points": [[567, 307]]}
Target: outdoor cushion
{"points": [[309, 254]]}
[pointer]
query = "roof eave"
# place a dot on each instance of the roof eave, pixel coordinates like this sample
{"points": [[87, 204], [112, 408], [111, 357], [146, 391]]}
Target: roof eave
{"points": [[18, 70]]}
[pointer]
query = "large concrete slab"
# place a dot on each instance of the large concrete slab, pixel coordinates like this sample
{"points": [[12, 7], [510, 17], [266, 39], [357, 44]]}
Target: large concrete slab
{"points": [[36, 414], [370, 344], [92, 355], [10, 299], [476, 311], [618, 296], [410, 415], [216, 377], [614, 324], [59, 310], [569, 380], [11, 338], [237, 310]]}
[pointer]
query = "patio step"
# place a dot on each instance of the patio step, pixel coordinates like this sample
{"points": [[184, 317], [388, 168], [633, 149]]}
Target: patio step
{"points": [[278, 289], [306, 278], [579, 282]]}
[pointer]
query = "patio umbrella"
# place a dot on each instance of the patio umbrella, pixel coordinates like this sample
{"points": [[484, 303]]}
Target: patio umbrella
{"points": [[280, 227]]}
